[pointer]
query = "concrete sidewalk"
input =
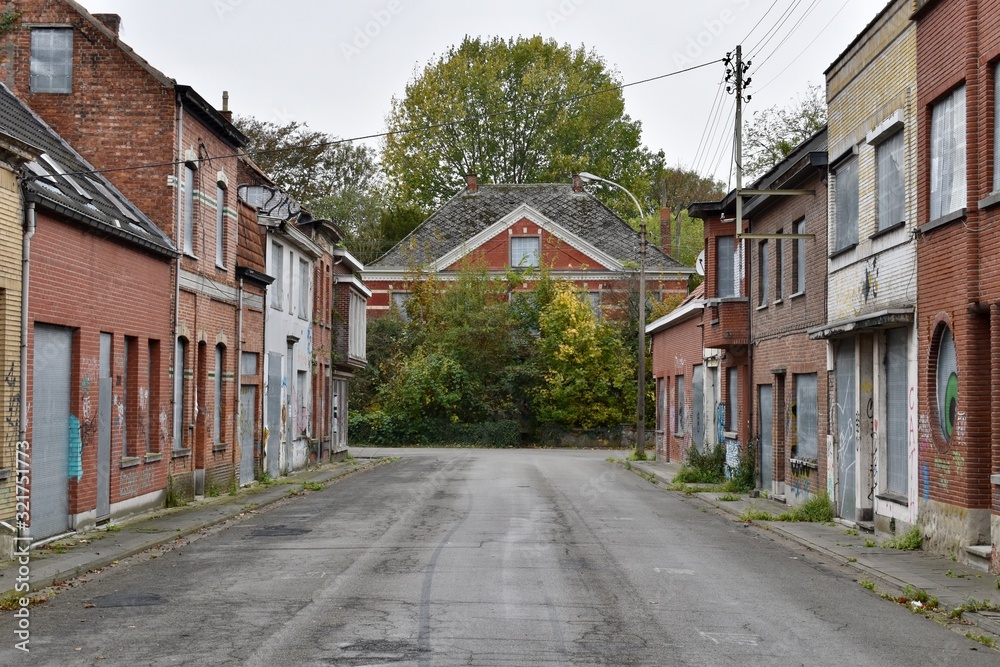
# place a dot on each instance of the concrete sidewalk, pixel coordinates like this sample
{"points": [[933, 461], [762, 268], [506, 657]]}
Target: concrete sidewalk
{"points": [[79, 554], [891, 570]]}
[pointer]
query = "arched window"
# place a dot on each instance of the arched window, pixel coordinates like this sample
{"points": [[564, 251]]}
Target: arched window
{"points": [[946, 382]]}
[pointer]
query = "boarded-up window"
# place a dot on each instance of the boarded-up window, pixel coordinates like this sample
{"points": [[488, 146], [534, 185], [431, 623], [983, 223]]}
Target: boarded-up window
{"points": [[52, 60], [679, 402], [661, 404], [896, 396], [220, 226], [948, 154], [846, 228], [724, 261], [188, 210], [996, 128], [732, 403], [762, 272], [180, 362], [891, 184], [278, 273], [303, 289], [806, 419], [800, 258]]}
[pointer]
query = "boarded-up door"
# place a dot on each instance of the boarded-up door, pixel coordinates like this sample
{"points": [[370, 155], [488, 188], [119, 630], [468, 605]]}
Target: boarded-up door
{"points": [[847, 443], [766, 403], [272, 454], [248, 403], [104, 431], [50, 450], [698, 407]]}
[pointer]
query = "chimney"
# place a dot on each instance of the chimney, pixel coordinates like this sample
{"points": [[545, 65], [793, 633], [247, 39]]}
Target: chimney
{"points": [[226, 113], [665, 229], [112, 22], [470, 182], [577, 183]]}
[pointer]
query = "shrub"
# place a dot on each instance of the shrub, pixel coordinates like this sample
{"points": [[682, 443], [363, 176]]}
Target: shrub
{"points": [[908, 541], [377, 428], [707, 467]]}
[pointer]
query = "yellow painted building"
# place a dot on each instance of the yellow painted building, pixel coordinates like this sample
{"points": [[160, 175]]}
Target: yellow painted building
{"points": [[13, 155]]}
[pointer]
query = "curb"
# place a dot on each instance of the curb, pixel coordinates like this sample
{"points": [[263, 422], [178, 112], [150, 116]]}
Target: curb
{"points": [[887, 582], [101, 562]]}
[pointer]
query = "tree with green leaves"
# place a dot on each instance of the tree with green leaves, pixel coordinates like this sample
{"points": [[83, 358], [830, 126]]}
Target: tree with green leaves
{"points": [[775, 131], [587, 373], [339, 181], [518, 110]]}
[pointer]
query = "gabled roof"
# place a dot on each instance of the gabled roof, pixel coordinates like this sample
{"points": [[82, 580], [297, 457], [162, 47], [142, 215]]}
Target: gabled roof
{"points": [[63, 182], [188, 96], [469, 214]]}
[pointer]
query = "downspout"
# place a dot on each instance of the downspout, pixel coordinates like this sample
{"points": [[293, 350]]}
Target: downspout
{"points": [[238, 376], [21, 465], [178, 222]]}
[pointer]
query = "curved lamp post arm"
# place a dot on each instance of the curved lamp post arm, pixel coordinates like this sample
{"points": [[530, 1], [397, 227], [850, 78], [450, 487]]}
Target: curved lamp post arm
{"points": [[640, 406]]}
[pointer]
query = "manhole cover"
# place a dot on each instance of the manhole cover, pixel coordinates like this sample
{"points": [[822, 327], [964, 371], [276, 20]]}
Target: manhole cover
{"points": [[279, 531], [129, 600]]}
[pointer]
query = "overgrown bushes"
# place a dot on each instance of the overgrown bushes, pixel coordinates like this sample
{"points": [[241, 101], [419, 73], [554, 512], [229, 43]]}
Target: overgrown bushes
{"points": [[378, 428]]}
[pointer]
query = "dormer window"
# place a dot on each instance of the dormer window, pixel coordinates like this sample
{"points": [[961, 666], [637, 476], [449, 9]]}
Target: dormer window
{"points": [[52, 60]]}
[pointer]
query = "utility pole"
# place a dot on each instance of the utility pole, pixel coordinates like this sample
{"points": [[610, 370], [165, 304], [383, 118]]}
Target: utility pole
{"points": [[736, 74]]}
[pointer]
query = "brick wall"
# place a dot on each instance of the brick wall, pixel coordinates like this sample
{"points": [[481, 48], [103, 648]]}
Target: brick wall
{"points": [[71, 286], [675, 352]]}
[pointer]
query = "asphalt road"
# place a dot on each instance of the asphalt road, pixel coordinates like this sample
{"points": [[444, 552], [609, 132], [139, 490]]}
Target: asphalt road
{"points": [[465, 557]]}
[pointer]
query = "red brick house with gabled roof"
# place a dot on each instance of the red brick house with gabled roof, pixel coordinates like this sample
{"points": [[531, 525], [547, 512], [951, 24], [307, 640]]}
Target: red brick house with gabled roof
{"points": [[172, 153], [559, 226]]}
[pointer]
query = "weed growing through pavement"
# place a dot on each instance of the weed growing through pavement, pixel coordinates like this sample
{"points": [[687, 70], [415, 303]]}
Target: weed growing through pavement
{"points": [[870, 585], [852, 559], [817, 509], [869, 543], [313, 486], [908, 541], [112, 528], [728, 497], [982, 639]]}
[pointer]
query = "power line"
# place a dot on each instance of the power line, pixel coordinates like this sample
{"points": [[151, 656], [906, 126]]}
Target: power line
{"points": [[758, 21], [769, 35], [807, 47], [708, 123], [790, 33], [421, 128]]}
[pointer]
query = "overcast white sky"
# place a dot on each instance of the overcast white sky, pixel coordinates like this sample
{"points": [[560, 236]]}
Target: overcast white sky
{"points": [[336, 65]]}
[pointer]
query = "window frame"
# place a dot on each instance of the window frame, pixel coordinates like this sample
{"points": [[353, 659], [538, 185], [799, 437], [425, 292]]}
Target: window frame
{"points": [[220, 227], [303, 287], [799, 257], [896, 412], [189, 210], [725, 246], [278, 273], [679, 398], [888, 217], [806, 424], [532, 263], [779, 268], [846, 207], [733, 400], [180, 361], [763, 252], [956, 150], [37, 62]]}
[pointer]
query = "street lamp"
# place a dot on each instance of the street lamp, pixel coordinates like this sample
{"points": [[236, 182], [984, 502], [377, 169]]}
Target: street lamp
{"points": [[640, 405]]}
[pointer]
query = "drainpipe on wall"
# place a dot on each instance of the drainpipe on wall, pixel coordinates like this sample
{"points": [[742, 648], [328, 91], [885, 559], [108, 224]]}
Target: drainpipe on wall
{"points": [[178, 222], [30, 221], [238, 466]]}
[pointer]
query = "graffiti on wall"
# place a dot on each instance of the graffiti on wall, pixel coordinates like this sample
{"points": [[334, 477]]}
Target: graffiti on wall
{"points": [[12, 420]]}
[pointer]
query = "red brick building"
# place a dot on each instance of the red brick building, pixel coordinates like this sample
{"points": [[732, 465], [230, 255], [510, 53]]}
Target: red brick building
{"points": [[99, 332], [676, 342], [557, 226], [788, 421], [958, 49], [119, 111]]}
